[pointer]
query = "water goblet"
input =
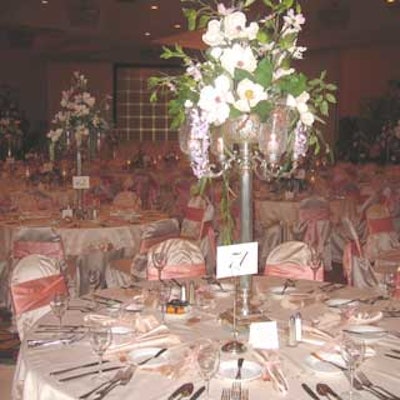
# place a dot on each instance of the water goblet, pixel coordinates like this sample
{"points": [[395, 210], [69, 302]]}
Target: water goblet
{"points": [[164, 296], [208, 361], [159, 259], [59, 305], [315, 261], [100, 337], [390, 284], [94, 281], [353, 353]]}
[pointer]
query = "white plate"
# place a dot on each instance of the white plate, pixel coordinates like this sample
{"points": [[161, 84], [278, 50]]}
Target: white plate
{"points": [[337, 303], [367, 333], [134, 307], [250, 370], [136, 356], [277, 290], [324, 367], [121, 330]]}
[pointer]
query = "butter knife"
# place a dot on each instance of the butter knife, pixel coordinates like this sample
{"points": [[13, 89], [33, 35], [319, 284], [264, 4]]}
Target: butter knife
{"points": [[392, 356], [198, 393], [184, 390], [158, 354], [309, 391], [63, 371], [70, 378]]}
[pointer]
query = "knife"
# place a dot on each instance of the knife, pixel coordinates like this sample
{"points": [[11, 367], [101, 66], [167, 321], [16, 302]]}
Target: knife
{"points": [[198, 393], [158, 354], [70, 378], [63, 371], [309, 391], [186, 389], [392, 356]]}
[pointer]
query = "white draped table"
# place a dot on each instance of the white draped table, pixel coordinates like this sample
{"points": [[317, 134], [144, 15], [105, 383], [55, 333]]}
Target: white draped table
{"points": [[152, 385]]}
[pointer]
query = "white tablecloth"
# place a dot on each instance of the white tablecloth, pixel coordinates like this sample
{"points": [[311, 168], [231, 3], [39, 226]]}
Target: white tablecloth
{"points": [[39, 362]]}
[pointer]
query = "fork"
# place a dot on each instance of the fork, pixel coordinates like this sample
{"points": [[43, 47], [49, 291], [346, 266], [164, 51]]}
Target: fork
{"points": [[245, 394], [236, 391], [366, 382], [225, 395]]}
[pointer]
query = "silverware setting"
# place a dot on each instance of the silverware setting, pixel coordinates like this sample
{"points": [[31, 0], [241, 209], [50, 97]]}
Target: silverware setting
{"points": [[325, 390], [288, 283], [183, 391], [65, 370], [309, 391], [365, 381], [88, 373], [240, 362], [158, 354]]}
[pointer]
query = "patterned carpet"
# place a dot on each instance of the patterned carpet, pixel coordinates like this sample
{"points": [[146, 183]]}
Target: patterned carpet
{"points": [[9, 342]]}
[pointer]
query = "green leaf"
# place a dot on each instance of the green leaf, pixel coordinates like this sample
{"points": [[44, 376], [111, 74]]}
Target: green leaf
{"points": [[241, 74], [330, 98], [330, 86], [234, 113], [191, 16], [263, 73], [263, 109], [203, 21], [153, 97], [324, 108], [248, 3]]}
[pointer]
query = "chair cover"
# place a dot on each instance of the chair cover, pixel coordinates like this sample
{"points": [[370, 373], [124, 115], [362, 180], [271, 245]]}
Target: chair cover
{"points": [[184, 259], [127, 199], [122, 268], [291, 260], [314, 227], [147, 189], [270, 238]]}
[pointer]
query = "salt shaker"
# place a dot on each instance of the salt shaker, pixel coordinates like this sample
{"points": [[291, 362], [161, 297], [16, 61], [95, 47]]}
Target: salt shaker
{"points": [[292, 341], [192, 293], [298, 327]]}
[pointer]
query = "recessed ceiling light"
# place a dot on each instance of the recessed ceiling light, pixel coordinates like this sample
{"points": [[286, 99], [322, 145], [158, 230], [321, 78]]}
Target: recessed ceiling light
{"points": [[154, 7], [147, 34], [177, 26], [44, 2]]}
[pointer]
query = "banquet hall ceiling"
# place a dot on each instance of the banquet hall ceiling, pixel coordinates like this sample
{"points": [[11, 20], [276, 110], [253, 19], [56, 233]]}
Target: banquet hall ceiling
{"points": [[115, 29]]}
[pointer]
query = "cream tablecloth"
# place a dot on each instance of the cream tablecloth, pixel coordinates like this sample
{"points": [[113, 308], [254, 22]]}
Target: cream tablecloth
{"points": [[151, 385]]}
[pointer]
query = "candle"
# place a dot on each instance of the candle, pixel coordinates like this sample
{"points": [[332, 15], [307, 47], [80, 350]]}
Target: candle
{"points": [[220, 145], [27, 173]]}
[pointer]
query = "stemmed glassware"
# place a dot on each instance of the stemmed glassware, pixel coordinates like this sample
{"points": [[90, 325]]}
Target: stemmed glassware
{"points": [[59, 305], [100, 337], [94, 280], [353, 353], [315, 261], [159, 259], [208, 361], [164, 295]]}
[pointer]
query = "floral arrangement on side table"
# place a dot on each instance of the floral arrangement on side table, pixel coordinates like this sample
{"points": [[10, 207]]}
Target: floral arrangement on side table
{"points": [[80, 115], [246, 72]]}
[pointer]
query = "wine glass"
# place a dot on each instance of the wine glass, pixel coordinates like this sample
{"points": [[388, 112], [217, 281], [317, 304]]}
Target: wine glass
{"points": [[353, 353], [208, 361], [390, 284], [159, 259], [100, 337], [94, 280], [59, 305], [164, 295], [315, 261]]}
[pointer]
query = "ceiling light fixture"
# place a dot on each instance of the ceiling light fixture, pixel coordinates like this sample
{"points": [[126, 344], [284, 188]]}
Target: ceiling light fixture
{"points": [[177, 26], [154, 7], [147, 34], [44, 2]]}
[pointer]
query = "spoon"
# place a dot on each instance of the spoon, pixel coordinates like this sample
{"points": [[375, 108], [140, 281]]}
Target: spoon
{"points": [[324, 390], [125, 379], [239, 368]]}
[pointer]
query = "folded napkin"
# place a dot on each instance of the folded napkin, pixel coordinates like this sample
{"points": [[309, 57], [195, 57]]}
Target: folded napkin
{"points": [[315, 336], [273, 369], [328, 321]]}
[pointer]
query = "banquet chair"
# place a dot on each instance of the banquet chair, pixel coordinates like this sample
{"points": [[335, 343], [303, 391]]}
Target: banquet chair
{"points": [[127, 200], [357, 268], [183, 259], [197, 226], [147, 189], [123, 269], [34, 282], [291, 259], [314, 227]]}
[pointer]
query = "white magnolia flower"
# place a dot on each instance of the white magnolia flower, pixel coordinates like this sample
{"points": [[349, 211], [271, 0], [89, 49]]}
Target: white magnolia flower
{"points": [[300, 103], [297, 52], [235, 27], [282, 72], [238, 56], [214, 35], [188, 104], [214, 100], [216, 52], [194, 71], [222, 10], [250, 94]]}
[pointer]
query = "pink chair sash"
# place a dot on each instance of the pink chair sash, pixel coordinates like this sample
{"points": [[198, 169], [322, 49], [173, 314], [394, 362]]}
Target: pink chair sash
{"points": [[311, 216], [177, 271], [294, 271], [36, 293], [194, 214], [378, 225], [50, 249]]}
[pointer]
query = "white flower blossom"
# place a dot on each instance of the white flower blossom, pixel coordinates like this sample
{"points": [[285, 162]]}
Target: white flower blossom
{"points": [[213, 35], [280, 72], [238, 56], [300, 103], [292, 22], [250, 94], [235, 27]]}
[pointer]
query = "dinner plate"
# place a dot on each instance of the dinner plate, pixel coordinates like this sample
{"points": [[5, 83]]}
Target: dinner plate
{"points": [[322, 367], [277, 290], [139, 355], [337, 303], [250, 370], [367, 333]]}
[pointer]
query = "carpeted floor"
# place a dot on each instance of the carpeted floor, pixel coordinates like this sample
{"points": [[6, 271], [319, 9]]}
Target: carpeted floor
{"points": [[9, 342]]}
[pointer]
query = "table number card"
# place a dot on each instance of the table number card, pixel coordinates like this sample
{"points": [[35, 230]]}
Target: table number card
{"points": [[81, 182], [264, 335], [237, 259]]}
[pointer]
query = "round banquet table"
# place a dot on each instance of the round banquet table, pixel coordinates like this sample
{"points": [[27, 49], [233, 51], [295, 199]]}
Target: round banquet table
{"points": [[203, 322]]}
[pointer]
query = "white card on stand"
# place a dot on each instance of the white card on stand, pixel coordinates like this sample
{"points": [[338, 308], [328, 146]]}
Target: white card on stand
{"points": [[264, 335], [237, 259], [81, 182]]}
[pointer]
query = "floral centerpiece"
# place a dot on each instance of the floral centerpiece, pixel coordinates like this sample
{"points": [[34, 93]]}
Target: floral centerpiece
{"points": [[80, 116], [246, 70], [244, 75]]}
